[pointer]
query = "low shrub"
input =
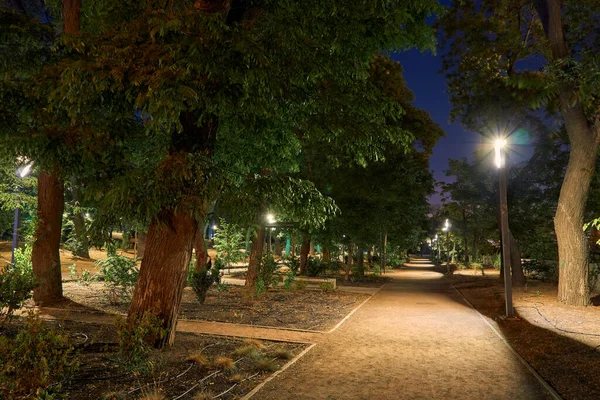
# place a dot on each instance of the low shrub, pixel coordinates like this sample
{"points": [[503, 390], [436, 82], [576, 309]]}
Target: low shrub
{"points": [[135, 340], [36, 362], [120, 276], [315, 267], [16, 284]]}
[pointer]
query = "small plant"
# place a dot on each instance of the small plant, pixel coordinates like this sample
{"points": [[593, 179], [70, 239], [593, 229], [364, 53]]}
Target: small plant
{"points": [[36, 362], [281, 353], [204, 395], [221, 288], [267, 276], [326, 286], [300, 285], [114, 396], [256, 343], [202, 280], [290, 277], [593, 276], [224, 363], [376, 270], [134, 342], [228, 242], [120, 276], [155, 394], [16, 283], [198, 359], [72, 271], [247, 350], [236, 378], [497, 261], [264, 364]]}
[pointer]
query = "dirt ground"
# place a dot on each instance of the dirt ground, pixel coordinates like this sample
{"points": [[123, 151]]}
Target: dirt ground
{"points": [[562, 343], [301, 309], [102, 375]]}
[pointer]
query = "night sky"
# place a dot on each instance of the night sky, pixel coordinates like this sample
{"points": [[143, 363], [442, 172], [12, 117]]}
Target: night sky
{"points": [[421, 71]]}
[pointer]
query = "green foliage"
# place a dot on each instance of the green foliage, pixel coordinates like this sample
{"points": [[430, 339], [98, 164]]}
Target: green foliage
{"points": [[36, 362], [315, 266], [540, 269], [290, 278], [326, 286], [229, 240], [202, 280], [267, 274], [120, 276], [16, 283], [497, 261], [135, 340]]}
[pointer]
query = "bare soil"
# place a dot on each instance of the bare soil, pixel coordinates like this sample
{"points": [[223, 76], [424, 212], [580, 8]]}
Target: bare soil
{"points": [[562, 343], [102, 375], [302, 309]]}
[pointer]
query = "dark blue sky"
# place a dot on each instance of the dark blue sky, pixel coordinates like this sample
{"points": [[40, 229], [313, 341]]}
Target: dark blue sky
{"points": [[421, 71]]}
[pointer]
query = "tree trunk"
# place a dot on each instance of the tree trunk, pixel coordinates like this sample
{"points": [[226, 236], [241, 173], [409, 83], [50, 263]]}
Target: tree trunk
{"points": [[164, 271], [349, 262], [384, 252], [369, 257], [312, 248], [141, 243], [584, 138], [79, 223], [278, 248], [200, 248], [475, 243], [360, 261], [304, 251], [326, 255], [518, 277], [45, 255], [256, 250]]}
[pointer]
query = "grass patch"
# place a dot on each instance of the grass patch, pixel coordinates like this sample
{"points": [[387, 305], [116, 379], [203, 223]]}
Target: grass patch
{"points": [[280, 353], [256, 343], [264, 364], [198, 358], [224, 363]]}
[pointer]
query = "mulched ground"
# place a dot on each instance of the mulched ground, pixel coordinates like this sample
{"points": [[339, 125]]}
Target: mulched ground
{"points": [[299, 309], [562, 343], [102, 374]]}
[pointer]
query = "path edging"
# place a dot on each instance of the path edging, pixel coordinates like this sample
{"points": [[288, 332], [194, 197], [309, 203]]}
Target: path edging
{"points": [[541, 380], [355, 309], [276, 373]]}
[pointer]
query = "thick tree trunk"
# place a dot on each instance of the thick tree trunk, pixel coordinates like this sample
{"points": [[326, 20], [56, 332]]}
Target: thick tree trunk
{"points": [[278, 249], [518, 277], [141, 243], [304, 251], [256, 251], [45, 255], [164, 271], [573, 248], [360, 261], [349, 262]]}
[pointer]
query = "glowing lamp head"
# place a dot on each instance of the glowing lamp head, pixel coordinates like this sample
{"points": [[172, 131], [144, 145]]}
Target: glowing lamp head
{"points": [[214, 227], [271, 218], [25, 170], [499, 145]]}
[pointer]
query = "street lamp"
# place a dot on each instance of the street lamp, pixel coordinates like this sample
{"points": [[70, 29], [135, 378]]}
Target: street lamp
{"points": [[270, 221], [446, 229], [21, 173], [500, 161]]}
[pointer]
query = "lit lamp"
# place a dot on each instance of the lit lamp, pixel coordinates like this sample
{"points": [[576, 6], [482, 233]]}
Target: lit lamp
{"points": [[446, 229], [270, 221], [21, 173], [500, 161]]}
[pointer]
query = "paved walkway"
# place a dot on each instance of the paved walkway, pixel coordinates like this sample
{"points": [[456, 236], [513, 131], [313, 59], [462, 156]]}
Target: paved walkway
{"points": [[415, 339]]}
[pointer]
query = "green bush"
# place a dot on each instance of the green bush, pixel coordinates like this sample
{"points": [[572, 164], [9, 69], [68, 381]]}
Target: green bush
{"points": [[267, 274], [201, 281], [315, 267], [497, 261], [16, 283], [120, 276], [36, 362], [135, 341]]}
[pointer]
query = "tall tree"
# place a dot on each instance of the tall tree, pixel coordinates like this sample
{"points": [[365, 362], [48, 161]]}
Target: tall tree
{"points": [[500, 46]]}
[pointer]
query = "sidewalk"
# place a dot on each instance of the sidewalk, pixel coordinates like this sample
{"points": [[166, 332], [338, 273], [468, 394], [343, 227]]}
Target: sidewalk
{"points": [[415, 339]]}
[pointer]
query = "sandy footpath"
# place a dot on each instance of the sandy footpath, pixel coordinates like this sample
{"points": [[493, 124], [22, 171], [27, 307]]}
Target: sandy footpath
{"points": [[415, 339]]}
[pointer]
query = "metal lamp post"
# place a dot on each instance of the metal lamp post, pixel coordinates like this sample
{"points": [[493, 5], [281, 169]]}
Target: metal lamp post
{"points": [[500, 161], [22, 173]]}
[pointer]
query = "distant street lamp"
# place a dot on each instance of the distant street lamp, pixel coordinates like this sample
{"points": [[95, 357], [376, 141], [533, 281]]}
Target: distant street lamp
{"points": [[500, 161], [22, 173], [270, 221], [446, 229]]}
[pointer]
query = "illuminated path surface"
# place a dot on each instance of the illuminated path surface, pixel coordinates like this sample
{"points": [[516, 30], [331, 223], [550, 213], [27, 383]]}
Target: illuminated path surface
{"points": [[415, 339]]}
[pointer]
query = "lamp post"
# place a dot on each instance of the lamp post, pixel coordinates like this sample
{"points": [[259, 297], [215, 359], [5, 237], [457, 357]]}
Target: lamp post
{"points": [[22, 173], [270, 220], [446, 229], [500, 161]]}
